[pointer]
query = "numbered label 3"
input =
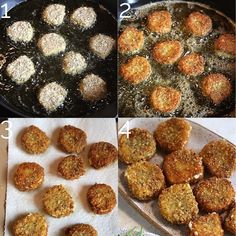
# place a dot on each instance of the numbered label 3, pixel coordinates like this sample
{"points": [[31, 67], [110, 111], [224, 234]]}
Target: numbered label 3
{"points": [[7, 133]]}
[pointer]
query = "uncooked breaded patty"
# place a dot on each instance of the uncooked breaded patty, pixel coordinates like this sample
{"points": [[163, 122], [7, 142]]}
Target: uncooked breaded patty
{"points": [[20, 31], [28, 176], [102, 154], [130, 40], [72, 139], [219, 157], [21, 69], [206, 225], [217, 87], [2, 60], [167, 52], [34, 140], [102, 45], [101, 198], [183, 166], [82, 230], [136, 70], [177, 204], [51, 44], [54, 14], [165, 99], [71, 167], [198, 24], [225, 45], [145, 180], [33, 224], [230, 221], [58, 202], [140, 145], [52, 96], [159, 22], [214, 194], [173, 134], [192, 64]]}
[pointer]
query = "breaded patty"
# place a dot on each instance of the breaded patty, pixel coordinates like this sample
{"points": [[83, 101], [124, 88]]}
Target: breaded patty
{"points": [[82, 230], [219, 157], [192, 64], [183, 166], [2, 60], [101, 198], [167, 52], [71, 167], [136, 70], [177, 204], [206, 225], [214, 194], [225, 46], [130, 40], [58, 202], [173, 134], [72, 139], [198, 24], [165, 99], [159, 22], [217, 87], [145, 180], [139, 146], [28, 176], [34, 140], [33, 224], [230, 221], [102, 154]]}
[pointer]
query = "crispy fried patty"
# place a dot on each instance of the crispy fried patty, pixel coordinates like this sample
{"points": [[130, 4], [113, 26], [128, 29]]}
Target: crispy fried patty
{"points": [[82, 230], [230, 221]]}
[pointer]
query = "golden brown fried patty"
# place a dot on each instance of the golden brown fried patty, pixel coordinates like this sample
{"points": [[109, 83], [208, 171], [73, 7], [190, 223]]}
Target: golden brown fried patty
{"points": [[136, 70], [33, 224], [34, 140], [130, 40], [167, 52], [173, 134], [183, 166], [28, 176], [71, 167], [225, 45], [140, 145], [82, 230], [192, 64], [217, 87], [219, 157], [177, 204], [72, 139], [206, 225], [145, 180], [165, 99], [214, 194], [57, 202], [198, 24], [101, 198], [102, 154], [159, 22], [230, 221]]}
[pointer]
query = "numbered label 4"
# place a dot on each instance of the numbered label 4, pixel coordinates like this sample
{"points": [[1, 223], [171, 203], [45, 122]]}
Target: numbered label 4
{"points": [[125, 129], [126, 7], [8, 129], [5, 8]]}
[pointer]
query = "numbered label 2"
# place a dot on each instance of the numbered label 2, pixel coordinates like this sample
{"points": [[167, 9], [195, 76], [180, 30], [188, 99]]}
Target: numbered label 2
{"points": [[126, 7]]}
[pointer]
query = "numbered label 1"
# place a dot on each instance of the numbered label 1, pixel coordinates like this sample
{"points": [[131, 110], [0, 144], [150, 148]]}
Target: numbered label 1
{"points": [[125, 129], [5, 7], [8, 129], [127, 8]]}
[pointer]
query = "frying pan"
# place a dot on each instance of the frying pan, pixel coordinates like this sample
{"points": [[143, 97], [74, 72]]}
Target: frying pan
{"points": [[26, 105]]}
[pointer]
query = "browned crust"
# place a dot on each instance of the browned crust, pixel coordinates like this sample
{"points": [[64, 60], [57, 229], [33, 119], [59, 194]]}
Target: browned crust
{"points": [[136, 70], [225, 43], [28, 176], [82, 229], [72, 139], [71, 167], [101, 198], [102, 154], [230, 221], [214, 194], [34, 140]]}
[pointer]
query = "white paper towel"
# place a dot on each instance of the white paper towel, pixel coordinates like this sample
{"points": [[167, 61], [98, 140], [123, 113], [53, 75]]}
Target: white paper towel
{"points": [[19, 203]]}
